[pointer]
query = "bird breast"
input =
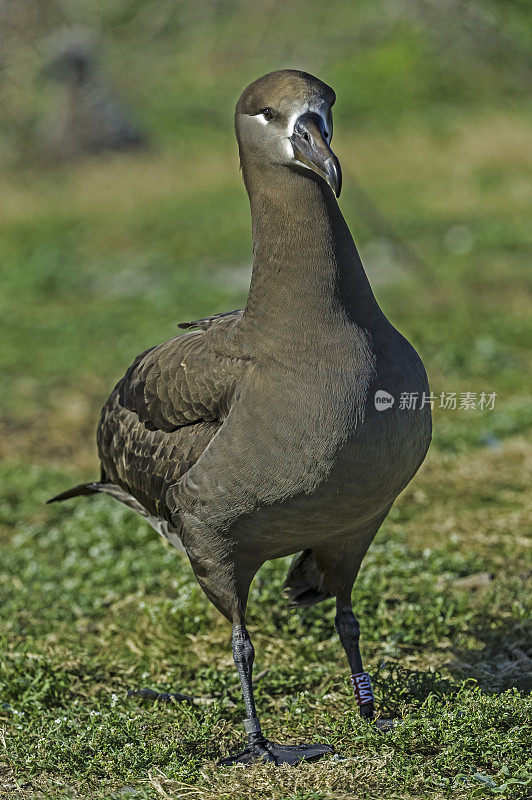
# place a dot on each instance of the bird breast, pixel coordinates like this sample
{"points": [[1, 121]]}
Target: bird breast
{"points": [[309, 438]]}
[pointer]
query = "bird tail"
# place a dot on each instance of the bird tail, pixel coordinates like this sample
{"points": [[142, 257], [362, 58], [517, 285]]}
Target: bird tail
{"points": [[304, 584], [101, 487], [76, 491]]}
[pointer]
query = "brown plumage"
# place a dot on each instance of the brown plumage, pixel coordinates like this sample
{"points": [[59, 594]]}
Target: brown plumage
{"points": [[257, 436]]}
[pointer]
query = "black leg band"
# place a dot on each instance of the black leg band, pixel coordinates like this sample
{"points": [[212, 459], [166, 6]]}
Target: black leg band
{"points": [[252, 725]]}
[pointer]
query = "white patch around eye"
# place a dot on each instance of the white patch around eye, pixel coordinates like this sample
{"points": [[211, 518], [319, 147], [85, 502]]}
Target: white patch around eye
{"points": [[304, 110], [290, 130], [294, 118], [291, 125], [262, 119], [289, 148]]}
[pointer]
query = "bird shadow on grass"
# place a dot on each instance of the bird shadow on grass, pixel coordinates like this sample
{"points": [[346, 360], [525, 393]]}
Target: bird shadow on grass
{"points": [[503, 662], [398, 687]]}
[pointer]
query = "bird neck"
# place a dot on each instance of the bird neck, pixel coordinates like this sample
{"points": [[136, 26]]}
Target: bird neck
{"points": [[307, 274]]}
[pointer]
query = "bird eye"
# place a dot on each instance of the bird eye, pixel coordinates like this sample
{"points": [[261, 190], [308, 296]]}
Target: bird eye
{"points": [[267, 113]]}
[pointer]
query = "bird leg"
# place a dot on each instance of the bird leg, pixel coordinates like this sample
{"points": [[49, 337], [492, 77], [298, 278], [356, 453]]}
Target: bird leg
{"points": [[243, 656], [259, 748], [349, 632]]}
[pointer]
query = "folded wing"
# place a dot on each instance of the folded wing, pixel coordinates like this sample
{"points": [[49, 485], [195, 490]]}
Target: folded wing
{"points": [[166, 409]]}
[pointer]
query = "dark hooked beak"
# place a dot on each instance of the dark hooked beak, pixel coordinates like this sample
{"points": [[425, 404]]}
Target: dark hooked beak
{"points": [[311, 148]]}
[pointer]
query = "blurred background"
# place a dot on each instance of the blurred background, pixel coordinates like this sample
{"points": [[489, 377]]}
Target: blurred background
{"points": [[122, 211]]}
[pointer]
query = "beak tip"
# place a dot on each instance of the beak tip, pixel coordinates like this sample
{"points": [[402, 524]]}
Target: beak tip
{"points": [[312, 149], [334, 175]]}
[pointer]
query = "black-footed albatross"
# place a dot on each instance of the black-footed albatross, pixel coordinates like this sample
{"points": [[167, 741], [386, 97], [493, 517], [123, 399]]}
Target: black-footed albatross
{"points": [[261, 434]]}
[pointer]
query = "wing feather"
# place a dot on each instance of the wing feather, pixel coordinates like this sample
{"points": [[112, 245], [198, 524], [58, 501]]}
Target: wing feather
{"points": [[206, 322], [185, 380], [165, 410]]}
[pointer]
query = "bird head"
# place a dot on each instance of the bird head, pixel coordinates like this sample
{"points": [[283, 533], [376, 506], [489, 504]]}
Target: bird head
{"points": [[285, 119]]}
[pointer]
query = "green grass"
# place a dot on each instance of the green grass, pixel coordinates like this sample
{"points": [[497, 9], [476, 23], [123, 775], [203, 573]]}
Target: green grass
{"points": [[93, 604], [99, 260]]}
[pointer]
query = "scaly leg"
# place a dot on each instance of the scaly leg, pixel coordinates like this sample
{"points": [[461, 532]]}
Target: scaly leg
{"points": [[259, 748], [349, 633]]}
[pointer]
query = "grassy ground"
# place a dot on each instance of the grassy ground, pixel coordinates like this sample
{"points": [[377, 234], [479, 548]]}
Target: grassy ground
{"points": [[101, 259], [94, 604]]}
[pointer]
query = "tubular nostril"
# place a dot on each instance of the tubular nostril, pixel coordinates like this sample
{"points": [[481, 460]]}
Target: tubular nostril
{"points": [[306, 137]]}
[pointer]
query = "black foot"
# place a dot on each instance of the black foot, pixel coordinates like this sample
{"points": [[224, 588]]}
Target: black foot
{"points": [[275, 753]]}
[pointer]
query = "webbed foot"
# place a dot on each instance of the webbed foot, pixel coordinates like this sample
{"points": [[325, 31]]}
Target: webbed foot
{"points": [[275, 753]]}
